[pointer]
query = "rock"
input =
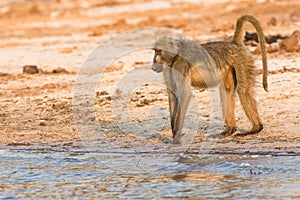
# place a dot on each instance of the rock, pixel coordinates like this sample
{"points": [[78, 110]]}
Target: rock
{"points": [[3, 74], [30, 69], [295, 16], [251, 36], [274, 38], [270, 48], [60, 70], [34, 9], [274, 47], [269, 39], [102, 93], [43, 123], [291, 43], [272, 22]]}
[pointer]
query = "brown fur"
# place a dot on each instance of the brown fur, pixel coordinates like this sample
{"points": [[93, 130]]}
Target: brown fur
{"points": [[227, 65]]}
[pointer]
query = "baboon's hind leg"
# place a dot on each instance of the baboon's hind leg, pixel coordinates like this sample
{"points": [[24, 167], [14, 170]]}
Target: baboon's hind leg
{"points": [[246, 93], [228, 103]]}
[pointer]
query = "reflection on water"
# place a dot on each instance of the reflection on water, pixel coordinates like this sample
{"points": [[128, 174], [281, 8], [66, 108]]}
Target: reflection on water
{"points": [[46, 174]]}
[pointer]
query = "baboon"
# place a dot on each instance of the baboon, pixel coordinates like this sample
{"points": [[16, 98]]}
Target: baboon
{"points": [[227, 65]]}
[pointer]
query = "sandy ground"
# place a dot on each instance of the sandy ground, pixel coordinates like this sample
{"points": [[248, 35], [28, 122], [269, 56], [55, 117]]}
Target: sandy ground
{"points": [[58, 35]]}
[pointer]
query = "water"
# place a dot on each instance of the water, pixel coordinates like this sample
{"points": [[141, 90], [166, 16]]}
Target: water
{"points": [[44, 174]]}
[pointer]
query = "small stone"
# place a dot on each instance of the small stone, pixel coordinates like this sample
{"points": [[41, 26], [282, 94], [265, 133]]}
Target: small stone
{"points": [[274, 47], [60, 70], [30, 69], [3, 74], [42, 123], [272, 22], [102, 93]]}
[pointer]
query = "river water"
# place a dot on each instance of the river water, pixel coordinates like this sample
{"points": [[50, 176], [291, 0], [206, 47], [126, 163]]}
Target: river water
{"points": [[48, 174]]}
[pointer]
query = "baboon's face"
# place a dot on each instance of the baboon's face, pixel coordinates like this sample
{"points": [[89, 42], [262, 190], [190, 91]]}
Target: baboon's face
{"points": [[157, 65], [164, 53]]}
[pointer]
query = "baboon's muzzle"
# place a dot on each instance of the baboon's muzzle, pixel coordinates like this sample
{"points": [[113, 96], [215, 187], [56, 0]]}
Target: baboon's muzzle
{"points": [[157, 67]]}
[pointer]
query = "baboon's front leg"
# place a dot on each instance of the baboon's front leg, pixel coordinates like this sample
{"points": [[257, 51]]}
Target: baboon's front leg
{"points": [[228, 103], [183, 103], [171, 89], [183, 95], [173, 104]]}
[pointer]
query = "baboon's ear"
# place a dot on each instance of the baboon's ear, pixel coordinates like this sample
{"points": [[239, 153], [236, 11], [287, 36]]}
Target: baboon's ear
{"points": [[173, 43], [174, 46]]}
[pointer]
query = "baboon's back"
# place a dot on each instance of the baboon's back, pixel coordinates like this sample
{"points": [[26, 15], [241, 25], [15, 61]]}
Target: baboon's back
{"points": [[229, 53]]}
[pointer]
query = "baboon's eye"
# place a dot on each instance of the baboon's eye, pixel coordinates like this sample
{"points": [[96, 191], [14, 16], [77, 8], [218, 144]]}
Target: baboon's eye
{"points": [[158, 51]]}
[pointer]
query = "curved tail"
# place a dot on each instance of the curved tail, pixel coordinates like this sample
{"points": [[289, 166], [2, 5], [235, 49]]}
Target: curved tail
{"points": [[239, 36]]}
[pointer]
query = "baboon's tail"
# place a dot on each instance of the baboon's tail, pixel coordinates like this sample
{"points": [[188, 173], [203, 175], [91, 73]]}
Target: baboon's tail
{"points": [[239, 36]]}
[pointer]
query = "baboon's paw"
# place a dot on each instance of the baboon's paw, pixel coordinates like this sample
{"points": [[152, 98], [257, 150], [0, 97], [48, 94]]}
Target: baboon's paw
{"points": [[214, 135], [246, 133], [228, 131], [177, 140], [254, 130]]}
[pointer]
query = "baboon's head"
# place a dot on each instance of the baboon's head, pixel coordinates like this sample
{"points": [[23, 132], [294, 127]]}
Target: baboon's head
{"points": [[165, 51]]}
